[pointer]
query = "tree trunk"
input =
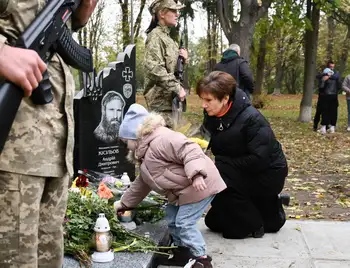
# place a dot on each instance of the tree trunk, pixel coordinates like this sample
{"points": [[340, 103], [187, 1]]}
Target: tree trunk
{"points": [[344, 53], [241, 32], [279, 63], [212, 40], [138, 21], [311, 40], [209, 39], [260, 66], [291, 81], [125, 22], [331, 31]]}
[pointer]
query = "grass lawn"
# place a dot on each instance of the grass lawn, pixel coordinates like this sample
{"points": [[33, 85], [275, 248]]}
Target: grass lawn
{"points": [[319, 165]]}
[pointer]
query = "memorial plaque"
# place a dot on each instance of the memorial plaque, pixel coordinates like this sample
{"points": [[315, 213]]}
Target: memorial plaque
{"points": [[99, 109]]}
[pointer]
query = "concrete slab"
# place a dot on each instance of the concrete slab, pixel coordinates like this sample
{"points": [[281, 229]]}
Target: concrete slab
{"points": [[327, 240], [245, 262], [288, 243], [300, 244], [331, 264]]}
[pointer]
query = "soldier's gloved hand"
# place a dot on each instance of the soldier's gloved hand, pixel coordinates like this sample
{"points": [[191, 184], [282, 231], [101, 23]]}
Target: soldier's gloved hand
{"points": [[182, 94], [22, 67]]}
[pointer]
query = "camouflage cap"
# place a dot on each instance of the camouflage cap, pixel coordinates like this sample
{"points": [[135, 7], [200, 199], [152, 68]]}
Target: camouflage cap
{"points": [[161, 4]]}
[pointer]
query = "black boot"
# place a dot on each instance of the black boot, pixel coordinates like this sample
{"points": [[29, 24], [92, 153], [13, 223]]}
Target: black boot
{"points": [[178, 257], [259, 233]]}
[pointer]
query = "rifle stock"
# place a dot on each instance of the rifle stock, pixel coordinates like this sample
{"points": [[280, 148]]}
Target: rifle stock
{"points": [[47, 34]]}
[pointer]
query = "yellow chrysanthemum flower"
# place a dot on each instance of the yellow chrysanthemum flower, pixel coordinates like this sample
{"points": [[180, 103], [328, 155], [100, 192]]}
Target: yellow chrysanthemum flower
{"points": [[202, 143]]}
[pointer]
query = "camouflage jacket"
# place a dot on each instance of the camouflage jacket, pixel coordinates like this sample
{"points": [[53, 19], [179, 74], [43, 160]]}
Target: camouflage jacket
{"points": [[41, 140], [160, 62]]}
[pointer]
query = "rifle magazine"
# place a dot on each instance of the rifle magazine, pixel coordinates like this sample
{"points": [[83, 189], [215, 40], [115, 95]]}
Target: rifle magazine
{"points": [[74, 54]]}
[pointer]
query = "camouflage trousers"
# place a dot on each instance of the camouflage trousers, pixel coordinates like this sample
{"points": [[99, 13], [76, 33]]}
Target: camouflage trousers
{"points": [[32, 210], [168, 117]]}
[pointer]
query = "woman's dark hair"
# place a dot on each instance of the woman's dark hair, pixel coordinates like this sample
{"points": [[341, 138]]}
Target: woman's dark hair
{"points": [[217, 83], [154, 24]]}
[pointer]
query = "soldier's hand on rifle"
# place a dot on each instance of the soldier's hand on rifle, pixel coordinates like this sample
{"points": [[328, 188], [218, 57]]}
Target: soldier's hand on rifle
{"points": [[22, 67], [182, 94], [84, 11], [184, 54]]}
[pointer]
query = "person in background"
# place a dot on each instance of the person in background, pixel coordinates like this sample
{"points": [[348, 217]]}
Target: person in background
{"points": [[232, 63], [330, 89], [37, 160], [320, 100], [346, 88], [161, 56], [249, 158], [177, 168]]}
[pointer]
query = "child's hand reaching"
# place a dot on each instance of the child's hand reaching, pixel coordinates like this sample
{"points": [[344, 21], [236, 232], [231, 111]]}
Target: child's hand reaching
{"points": [[119, 207], [199, 184]]}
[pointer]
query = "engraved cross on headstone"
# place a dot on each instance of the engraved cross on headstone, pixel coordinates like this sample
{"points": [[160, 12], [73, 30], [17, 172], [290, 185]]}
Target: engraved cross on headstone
{"points": [[127, 74]]}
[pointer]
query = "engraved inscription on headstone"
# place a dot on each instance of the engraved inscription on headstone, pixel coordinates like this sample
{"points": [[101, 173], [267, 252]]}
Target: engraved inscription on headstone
{"points": [[99, 110]]}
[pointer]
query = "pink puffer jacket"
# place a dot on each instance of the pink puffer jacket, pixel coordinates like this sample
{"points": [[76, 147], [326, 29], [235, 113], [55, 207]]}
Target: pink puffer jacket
{"points": [[169, 162]]}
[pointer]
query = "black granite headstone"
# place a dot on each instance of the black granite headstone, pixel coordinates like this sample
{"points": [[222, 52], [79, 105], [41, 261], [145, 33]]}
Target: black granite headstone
{"points": [[99, 109]]}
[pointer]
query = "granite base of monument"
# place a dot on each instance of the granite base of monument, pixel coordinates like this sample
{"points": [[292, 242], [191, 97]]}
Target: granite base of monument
{"points": [[158, 232]]}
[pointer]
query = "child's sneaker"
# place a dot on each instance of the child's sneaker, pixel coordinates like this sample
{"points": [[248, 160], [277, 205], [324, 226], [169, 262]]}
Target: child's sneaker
{"points": [[200, 263], [178, 257]]}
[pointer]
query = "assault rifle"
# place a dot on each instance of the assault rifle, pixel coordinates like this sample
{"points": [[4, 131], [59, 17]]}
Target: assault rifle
{"points": [[178, 105], [47, 34]]}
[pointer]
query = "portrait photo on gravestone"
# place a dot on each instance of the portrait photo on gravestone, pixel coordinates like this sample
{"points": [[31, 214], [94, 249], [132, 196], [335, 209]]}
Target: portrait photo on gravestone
{"points": [[99, 109], [112, 110]]}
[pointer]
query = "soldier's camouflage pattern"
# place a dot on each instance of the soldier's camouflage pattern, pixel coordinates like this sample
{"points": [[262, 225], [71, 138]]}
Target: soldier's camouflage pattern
{"points": [[35, 161], [26, 242], [160, 62], [39, 143], [161, 4]]}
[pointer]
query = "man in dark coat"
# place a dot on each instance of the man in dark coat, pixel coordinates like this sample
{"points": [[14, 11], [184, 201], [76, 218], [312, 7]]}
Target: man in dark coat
{"points": [[320, 101], [332, 86], [232, 63], [250, 160]]}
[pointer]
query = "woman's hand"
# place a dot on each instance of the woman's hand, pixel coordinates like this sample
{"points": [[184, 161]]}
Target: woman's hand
{"points": [[199, 184], [184, 54]]}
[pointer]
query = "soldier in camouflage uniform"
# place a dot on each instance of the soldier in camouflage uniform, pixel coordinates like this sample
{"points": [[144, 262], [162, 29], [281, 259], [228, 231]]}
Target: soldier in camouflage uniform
{"points": [[161, 57], [36, 162]]}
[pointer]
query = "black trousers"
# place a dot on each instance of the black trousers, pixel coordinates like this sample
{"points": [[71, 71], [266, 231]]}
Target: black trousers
{"points": [[330, 110], [319, 110], [248, 204]]}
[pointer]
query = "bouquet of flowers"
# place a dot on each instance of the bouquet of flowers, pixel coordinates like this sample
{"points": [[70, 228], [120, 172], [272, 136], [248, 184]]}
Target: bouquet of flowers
{"points": [[89, 196]]}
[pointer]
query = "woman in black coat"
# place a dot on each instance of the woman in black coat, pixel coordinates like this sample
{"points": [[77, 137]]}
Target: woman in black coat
{"points": [[249, 158]]}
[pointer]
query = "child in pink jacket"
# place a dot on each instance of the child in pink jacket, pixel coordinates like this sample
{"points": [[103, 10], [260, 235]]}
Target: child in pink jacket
{"points": [[177, 168]]}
